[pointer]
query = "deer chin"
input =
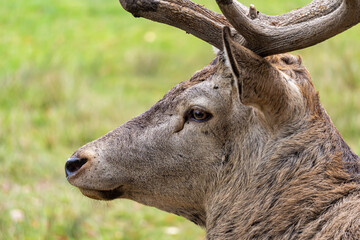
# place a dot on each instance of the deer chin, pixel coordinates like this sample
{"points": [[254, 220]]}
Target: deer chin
{"points": [[106, 195]]}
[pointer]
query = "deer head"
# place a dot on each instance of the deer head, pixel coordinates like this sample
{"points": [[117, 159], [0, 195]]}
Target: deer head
{"points": [[217, 149]]}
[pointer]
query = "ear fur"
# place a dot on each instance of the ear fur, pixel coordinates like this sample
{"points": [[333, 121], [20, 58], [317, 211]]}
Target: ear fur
{"points": [[260, 84]]}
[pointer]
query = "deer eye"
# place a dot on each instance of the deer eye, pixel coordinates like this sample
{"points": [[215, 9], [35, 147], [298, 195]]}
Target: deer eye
{"points": [[199, 115]]}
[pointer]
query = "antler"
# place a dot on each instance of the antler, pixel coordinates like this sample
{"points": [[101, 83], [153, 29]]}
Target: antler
{"points": [[186, 15], [265, 35], [298, 29]]}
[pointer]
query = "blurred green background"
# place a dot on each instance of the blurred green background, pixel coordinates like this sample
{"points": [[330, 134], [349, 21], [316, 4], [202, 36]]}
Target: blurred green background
{"points": [[70, 71]]}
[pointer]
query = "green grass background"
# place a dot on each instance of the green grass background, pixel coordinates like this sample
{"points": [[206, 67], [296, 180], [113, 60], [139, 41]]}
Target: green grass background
{"points": [[70, 71]]}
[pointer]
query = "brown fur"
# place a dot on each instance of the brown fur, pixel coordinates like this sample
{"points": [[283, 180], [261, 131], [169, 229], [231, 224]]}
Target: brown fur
{"points": [[269, 164]]}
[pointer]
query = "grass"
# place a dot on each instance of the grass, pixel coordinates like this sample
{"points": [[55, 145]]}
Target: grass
{"points": [[70, 71]]}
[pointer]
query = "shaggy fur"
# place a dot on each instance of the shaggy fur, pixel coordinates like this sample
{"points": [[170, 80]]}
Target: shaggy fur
{"points": [[267, 163]]}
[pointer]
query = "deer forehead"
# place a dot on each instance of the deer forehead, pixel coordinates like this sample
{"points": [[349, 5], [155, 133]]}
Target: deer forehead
{"points": [[213, 92], [212, 83]]}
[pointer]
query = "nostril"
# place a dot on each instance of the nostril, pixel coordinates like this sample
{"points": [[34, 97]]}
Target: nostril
{"points": [[73, 165]]}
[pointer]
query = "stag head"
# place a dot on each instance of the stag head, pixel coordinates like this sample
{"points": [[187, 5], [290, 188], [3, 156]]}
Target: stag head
{"points": [[215, 135]]}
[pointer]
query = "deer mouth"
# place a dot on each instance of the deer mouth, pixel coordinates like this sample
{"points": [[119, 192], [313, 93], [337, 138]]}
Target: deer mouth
{"points": [[106, 195]]}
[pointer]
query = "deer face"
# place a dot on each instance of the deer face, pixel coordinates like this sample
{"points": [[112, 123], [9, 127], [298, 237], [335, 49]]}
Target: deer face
{"points": [[171, 156], [167, 156]]}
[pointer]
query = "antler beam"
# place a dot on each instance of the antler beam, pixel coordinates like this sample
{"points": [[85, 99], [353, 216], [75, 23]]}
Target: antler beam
{"points": [[186, 15], [265, 35]]}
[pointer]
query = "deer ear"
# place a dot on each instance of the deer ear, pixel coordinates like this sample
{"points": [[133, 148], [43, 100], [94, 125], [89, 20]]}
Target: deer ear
{"points": [[231, 58], [260, 84]]}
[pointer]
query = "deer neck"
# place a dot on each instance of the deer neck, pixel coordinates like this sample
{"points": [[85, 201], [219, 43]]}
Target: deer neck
{"points": [[291, 187]]}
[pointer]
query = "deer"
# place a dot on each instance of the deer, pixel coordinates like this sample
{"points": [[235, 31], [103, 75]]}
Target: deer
{"points": [[244, 148]]}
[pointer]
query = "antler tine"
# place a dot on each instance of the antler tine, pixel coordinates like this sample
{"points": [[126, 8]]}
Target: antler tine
{"points": [[309, 25], [186, 15]]}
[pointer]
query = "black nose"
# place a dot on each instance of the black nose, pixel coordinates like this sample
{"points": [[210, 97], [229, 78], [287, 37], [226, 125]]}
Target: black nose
{"points": [[73, 165]]}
